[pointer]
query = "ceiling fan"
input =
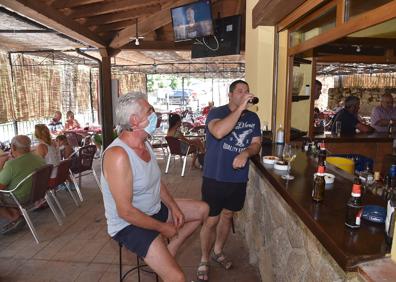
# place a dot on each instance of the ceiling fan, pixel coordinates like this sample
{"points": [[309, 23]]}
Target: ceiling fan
{"points": [[136, 38]]}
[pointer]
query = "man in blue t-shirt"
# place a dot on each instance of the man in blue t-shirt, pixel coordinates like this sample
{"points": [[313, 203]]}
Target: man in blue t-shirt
{"points": [[348, 117], [233, 135]]}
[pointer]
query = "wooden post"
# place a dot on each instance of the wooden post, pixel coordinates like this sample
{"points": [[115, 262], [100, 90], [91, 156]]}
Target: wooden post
{"points": [[106, 104]]}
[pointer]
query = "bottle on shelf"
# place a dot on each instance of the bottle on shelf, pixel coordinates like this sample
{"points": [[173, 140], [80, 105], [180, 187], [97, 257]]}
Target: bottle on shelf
{"points": [[354, 207], [280, 135], [319, 185]]}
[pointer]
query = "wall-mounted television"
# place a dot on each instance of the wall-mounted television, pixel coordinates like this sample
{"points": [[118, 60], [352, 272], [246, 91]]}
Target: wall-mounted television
{"points": [[227, 39], [192, 20]]}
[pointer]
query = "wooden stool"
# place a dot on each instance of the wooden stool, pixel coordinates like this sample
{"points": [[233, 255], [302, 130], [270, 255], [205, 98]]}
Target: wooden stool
{"points": [[138, 267]]}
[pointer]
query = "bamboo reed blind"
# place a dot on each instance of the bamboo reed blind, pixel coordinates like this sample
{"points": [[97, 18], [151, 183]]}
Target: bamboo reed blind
{"points": [[41, 89], [379, 80]]}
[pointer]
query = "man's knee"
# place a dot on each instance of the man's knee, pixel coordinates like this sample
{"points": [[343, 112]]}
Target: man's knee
{"points": [[211, 222], [175, 276], [227, 214], [204, 210]]}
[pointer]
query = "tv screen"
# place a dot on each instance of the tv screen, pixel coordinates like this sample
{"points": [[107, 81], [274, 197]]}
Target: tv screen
{"points": [[228, 36], [192, 20]]}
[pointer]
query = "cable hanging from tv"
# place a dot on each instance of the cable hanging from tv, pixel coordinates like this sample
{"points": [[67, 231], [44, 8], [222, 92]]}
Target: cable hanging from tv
{"points": [[203, 42]]}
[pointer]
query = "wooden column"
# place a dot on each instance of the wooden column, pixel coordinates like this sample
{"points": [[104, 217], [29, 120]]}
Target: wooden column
{"points": [[106, 104]]}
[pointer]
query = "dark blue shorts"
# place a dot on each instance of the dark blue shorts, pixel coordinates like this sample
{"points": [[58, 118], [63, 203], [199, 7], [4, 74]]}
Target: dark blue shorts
{"points": [[137, 239], [223, 195]]}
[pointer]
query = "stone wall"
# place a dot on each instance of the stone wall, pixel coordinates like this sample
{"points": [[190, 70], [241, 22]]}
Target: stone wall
{"points": [[369, 97], [279, 243]]}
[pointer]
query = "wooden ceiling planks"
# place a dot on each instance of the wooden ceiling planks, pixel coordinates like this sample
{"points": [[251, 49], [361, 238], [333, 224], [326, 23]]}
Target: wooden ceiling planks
{"points": [[52, 18], [270, 12]]}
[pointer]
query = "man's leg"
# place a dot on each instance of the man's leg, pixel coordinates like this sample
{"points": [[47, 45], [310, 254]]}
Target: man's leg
{"points": [[207, 235], [163, 262], [223, 230], [195, 212]]}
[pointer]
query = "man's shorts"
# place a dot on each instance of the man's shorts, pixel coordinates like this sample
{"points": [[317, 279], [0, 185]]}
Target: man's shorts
{"points": [[223, 195], [137, 239]]}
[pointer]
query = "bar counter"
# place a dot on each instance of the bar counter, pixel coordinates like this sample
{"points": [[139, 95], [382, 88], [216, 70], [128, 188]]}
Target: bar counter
{"points": [[299, 233], [375, 146]]}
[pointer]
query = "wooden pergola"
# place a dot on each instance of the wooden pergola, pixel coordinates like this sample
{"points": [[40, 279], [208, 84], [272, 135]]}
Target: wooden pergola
{"points": [[109, 26]]}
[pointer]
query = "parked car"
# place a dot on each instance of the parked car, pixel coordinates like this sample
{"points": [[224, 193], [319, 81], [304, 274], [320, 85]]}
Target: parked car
{"points": [[179, 97]]}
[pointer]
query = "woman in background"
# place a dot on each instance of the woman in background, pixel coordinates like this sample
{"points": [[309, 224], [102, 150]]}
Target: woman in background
{"points": [[47, 148], [64, 147], [71, 122], [174, 131]]}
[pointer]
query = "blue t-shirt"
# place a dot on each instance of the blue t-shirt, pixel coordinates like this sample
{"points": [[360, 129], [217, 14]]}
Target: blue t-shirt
{"points": [[220, 153], [348, 122]]}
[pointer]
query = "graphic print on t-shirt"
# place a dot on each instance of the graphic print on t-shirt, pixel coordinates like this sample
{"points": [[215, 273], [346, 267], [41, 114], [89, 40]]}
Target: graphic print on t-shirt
{"points": [[238, 139]]}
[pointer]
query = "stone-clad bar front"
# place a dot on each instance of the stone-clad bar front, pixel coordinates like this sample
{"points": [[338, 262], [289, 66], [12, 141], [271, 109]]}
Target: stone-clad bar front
{"points": [[292, 238]]}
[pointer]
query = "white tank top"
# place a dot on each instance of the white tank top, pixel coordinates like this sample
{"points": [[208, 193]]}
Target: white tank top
{"points": [[146, 188], [53, 157]]}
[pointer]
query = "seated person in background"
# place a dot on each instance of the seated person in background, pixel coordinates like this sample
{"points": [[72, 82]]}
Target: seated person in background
{"points": [[383, 114], [138, 206], [47, 148], [64, 147], [206, 110], [348, 117], [71, 123], [23, 163], [56, 125], [174, 131]]}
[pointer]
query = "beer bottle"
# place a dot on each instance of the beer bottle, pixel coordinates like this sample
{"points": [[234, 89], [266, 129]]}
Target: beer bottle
{"points": [[322, 155], [354, 207], [319, 185]]}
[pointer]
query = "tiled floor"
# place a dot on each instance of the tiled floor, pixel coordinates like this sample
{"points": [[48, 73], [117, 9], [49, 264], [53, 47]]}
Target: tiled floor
{"points": [[81, 250]]}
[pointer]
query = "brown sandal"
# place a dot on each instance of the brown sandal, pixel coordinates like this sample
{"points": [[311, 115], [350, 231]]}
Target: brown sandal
{"points": [[221, 259], [203, 272]]}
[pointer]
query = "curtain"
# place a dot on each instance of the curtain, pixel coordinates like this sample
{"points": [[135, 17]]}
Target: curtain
{"points": [[6, 105], [37, 89]]}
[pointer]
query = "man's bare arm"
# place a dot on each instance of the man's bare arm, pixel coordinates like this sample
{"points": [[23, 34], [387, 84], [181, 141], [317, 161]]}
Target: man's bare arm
{"points": [[118, 174], [221, 127]]}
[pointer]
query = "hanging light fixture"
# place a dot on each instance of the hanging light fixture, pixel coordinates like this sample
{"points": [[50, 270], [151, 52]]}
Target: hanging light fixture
{"points": [[137, 37]]}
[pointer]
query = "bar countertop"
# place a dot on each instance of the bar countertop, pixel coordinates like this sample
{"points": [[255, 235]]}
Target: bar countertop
{"points": [[356, 138], [326, 220]]}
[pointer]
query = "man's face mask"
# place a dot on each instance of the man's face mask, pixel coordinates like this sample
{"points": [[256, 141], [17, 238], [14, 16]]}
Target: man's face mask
{"points": [[150, 128]]}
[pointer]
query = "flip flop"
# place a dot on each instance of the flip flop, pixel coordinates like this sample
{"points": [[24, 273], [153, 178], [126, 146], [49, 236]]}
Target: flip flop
{"points": [[221, 259], [203, 272]]}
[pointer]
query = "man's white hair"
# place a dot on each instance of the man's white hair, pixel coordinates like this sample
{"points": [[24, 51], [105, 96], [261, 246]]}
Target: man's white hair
{"points": [[21, 143], [128, 105]]}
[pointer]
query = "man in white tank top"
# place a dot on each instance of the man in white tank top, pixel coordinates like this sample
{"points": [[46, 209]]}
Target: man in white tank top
{"points": [[138, 206]]}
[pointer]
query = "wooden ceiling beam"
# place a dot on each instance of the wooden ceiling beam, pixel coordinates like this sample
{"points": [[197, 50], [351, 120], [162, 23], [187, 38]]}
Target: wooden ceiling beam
{"points": [[147, 25], [50, 17], [62, 4], [159, 45], [270, 12], [121, 16], [357, 59], [110, 7], [115, 26]]}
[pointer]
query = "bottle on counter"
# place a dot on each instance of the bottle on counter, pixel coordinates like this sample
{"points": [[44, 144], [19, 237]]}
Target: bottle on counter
{"points": [[377, 187], [354, 208], [322, 155], [280, 135], [390, 127], [319, 185], [367, 178], [390, 219]]}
